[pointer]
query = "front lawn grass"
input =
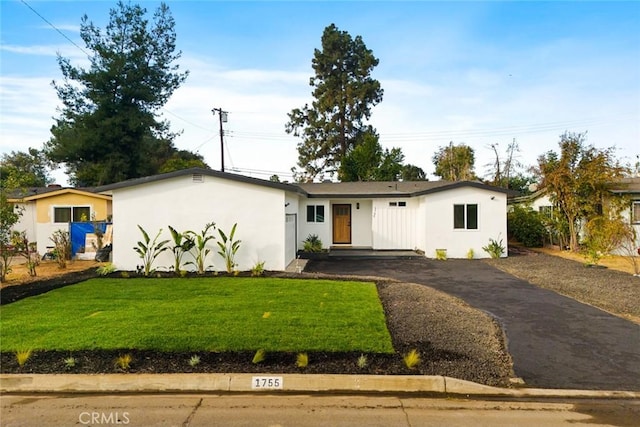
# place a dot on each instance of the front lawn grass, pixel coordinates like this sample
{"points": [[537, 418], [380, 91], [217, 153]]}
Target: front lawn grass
{"points": [[205, 314]]}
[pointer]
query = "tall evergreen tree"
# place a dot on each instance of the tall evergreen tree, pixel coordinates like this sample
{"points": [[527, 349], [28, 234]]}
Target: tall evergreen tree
{"points": [[108, 128], [344, 93]]}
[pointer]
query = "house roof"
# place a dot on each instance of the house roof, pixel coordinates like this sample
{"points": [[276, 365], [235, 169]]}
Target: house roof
{"points": [[35, 193], [196, 171], [318, 190], [388, 188], [627, 186]]}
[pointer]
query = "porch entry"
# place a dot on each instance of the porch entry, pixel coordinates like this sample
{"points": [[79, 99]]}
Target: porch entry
{"points": [[342, 224]]}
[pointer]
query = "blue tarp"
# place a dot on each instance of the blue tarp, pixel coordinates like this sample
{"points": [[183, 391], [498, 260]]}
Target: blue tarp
{"points": [[78, 232]]}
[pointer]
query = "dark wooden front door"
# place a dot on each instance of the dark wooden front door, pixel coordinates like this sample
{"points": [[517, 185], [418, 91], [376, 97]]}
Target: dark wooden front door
{"points": [[342, 224]]}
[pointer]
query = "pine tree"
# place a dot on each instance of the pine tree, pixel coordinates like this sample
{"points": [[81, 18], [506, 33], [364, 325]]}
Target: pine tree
{"points": [[344, 93], [108, 129]]}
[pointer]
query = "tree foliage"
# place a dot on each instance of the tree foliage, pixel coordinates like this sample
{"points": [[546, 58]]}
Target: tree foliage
{"points": [[368, 161], [578, 180], [24, 169], [526, 226], [344, 93], [108, 129], [455, 162]]}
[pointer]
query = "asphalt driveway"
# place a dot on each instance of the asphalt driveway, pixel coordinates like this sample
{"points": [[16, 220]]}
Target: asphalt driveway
{"points": [[555, 341]]}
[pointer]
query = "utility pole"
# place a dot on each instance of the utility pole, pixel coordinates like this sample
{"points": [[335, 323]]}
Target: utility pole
{"points": [[222, 115]]}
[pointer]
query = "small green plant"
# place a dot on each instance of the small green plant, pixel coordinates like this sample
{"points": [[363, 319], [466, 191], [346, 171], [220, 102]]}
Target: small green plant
{"points": [[362, 361], [108, 268], [201, 249], [182, 243], [302, 360], [183, 273], [62, 247], [123, 362], [194, 360], [258, 269], [22, 356], [312, 243], [495, 248], [70, 362], [470, 254], [149, 250], [124, 274], [229, 248], [258, 357], [412, 359], [441, 254]]}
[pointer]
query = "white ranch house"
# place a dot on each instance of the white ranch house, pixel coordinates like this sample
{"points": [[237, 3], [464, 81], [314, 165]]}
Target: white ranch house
{"points": [[275, 218]]}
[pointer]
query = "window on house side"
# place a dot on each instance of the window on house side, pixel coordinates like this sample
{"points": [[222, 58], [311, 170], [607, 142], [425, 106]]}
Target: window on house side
{"points": [[71, 213], [61, 214], [315, 213], [635, 212], [465, 217]]}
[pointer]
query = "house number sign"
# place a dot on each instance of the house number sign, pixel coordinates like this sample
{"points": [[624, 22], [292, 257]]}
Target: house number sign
{"points": [[267, 383]]}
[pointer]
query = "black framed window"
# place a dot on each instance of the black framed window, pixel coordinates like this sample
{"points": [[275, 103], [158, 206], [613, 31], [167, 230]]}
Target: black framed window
{"points": [[315, 213], [71, 213], [465, 217]]}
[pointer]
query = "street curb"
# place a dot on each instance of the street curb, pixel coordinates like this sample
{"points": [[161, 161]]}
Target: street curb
{"points": [[195, 383]]}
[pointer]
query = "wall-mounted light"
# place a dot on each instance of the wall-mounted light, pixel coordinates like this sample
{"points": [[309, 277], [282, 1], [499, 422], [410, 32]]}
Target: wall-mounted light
{"points": [[358, 205], [493, 197], [286, 204]]}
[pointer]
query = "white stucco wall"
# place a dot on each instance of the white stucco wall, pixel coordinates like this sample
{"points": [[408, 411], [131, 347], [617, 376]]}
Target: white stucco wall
{"points": [[259, 212], [394, 227], [321, 229], [28, 220], [440, 234]]}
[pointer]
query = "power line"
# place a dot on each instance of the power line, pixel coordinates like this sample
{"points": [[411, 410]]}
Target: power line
{"points": [[54, 27]]}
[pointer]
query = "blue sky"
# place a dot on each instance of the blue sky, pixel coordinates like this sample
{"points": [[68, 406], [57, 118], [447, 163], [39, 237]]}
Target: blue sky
{"points": [[468, 72]]}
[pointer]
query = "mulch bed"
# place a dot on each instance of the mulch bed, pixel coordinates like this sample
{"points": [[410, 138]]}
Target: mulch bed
{"points": [[452, 338]]}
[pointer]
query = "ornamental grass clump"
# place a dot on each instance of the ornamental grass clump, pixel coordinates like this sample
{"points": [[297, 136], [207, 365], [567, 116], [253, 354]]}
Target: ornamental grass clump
{"points": [[22, 356], [70, 362], [123, 362], [412, 359], [362, 361], [194, 360], [302, 360], [259, 356]]}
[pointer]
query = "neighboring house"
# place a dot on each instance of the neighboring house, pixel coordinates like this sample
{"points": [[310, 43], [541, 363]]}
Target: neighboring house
{"points": [[630, 187], [47, 209], [275, 218], [539, 201]]}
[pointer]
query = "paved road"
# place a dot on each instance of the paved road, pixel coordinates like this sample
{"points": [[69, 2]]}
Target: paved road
{"points": [[309, 410], [555, 341]]}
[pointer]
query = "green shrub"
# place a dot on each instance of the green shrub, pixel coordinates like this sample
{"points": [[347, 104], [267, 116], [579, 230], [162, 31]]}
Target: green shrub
{"points": [[229, 248], [441, 254], [470, 254], [108, 268], [495, 248], [526, 226], [149, 250], [312, 243], [258, 269]]}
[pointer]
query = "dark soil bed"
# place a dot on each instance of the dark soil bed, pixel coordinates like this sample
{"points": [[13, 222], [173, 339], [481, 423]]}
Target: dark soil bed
{"points": [[452, 338]]}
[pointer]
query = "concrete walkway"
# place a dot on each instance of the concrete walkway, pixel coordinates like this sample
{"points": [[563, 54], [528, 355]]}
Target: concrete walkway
{"points": [[555, 341]]}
